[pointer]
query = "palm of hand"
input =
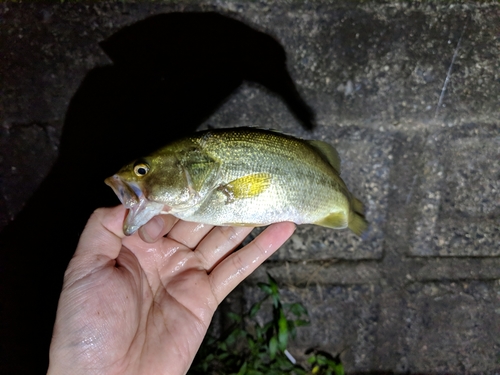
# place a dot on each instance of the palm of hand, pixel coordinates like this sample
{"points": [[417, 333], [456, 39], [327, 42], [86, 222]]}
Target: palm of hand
{"points": [[129, 306]]}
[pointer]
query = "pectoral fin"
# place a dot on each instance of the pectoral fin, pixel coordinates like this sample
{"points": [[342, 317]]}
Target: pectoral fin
{"points": [[246, 186], [336, 220]]}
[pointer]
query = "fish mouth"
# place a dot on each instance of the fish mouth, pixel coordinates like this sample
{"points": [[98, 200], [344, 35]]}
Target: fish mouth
{"points": [[140, 209]]}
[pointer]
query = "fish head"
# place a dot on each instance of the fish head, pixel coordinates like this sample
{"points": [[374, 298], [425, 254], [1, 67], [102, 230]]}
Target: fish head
{"points": [[141, 210], [150, 186]]}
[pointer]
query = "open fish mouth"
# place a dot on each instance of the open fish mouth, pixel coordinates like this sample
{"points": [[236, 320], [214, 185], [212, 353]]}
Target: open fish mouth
{"points": [[140, 209]]}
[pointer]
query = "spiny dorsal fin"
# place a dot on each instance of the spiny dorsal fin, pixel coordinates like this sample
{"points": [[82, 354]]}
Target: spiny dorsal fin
{"points": [[327, 152]]}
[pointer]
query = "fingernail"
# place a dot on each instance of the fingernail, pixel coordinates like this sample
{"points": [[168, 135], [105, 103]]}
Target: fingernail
{"points": [[152, 229]]}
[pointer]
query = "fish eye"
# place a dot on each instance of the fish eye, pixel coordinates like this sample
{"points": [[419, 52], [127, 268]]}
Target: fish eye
{"points": [[141, 169]]}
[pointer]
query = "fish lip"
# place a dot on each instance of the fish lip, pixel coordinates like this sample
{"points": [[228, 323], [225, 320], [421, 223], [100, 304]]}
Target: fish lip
{"points": [[141, 210], [129, 194]]}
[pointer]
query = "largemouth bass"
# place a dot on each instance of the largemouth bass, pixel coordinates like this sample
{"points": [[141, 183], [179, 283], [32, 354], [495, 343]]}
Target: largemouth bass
{"points": [[241, 177]]}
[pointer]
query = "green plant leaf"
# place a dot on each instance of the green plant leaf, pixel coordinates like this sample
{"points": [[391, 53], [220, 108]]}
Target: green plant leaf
{"points": [[234, 317], [223, 356], [276, 300], [255, 309], [273, 347], [301, 323], [282, 331], [298, 309], [231, 339], [291, 329], [271, 280], [260, 349], [258, 332], [311, 359], [266, 288], [273, 285], [321, 360], [268, 327], [243, 369]]}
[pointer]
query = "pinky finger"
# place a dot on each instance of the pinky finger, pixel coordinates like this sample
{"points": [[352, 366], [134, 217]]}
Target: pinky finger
{"points": [[236, 267]]}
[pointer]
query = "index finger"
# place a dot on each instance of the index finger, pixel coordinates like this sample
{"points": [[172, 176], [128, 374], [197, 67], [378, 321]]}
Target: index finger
{"points": [[236, 267]]}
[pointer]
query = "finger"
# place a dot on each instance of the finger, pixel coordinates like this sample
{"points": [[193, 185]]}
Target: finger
{"points": [[157, 227], [236, 267], [103, 233], [189, 234], [100, 242], [218, 243]]}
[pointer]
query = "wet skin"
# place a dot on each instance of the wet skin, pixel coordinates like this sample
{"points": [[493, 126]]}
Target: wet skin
{"points": [[142, 304]]}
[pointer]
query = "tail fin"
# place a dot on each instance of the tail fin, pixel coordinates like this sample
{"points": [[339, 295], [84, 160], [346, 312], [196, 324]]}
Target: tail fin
{"points": [[357, 221]]}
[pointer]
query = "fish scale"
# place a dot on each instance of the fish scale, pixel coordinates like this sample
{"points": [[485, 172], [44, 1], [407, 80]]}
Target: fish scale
{"points": [[287, 200], [241, 176]]}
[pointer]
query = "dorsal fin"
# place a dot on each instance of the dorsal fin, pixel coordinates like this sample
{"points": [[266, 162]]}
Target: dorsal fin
{"points": [[327, 152]]}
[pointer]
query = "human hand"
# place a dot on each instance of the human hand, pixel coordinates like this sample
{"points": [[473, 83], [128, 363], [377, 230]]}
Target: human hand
{"points": [[132, 305]]}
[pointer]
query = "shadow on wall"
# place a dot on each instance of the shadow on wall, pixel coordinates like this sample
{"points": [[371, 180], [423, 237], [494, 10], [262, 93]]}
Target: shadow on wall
{"points": [[169, 73]]}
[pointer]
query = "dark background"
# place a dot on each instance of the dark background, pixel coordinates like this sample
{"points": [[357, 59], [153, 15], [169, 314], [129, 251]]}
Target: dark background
{"points": [[170, 72], [408, 93]]}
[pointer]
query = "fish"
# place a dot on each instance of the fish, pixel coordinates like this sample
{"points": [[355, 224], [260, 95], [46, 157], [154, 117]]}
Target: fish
{"points": [[239, 177]]}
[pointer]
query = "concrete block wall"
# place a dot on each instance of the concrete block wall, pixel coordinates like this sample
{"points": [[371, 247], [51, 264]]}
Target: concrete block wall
{"points": [[410, 97]]}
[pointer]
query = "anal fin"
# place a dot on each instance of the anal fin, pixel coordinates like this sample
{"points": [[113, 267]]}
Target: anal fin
{"points": [[335, 220]]}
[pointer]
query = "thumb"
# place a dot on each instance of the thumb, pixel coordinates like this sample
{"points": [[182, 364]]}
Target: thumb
{"points": [[100, 242]]}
